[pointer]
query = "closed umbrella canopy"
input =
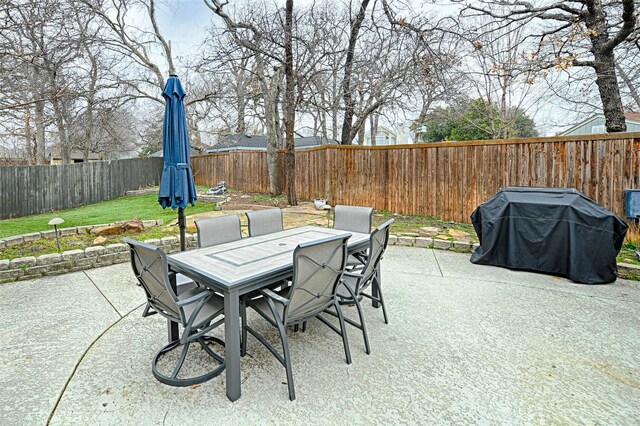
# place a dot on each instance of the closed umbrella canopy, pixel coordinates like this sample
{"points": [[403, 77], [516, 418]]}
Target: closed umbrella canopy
{"points": [[177, 188]]}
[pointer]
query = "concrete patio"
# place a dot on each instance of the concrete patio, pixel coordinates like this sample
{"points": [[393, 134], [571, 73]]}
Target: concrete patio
{"points": [[466, 344]]}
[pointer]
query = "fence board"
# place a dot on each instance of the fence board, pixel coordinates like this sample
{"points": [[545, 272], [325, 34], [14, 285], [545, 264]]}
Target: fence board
{"points": [[27, 190], [445, 180]]}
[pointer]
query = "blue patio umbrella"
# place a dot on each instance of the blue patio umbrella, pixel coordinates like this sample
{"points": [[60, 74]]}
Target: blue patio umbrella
{"points": [[177, 188]]}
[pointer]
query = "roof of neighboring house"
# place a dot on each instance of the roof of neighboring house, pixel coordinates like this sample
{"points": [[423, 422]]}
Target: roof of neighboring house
{"points": [[259, 142], [192, 152], [633, 117], [73, 155]]}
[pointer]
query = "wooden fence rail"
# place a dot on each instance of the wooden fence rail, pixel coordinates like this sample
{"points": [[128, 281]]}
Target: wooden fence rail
{"points": [[26, 190], [445, 180]]}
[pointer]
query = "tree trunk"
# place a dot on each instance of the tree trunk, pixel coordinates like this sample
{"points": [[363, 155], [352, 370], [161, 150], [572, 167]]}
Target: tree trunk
{"points": [[88, 133], [361, 135], [610, 93], [349, 104], [63, 139], [28, 136], [241, 103], [39, 119], [269, 87], [290, 113], [604, 64], [373, 118]]}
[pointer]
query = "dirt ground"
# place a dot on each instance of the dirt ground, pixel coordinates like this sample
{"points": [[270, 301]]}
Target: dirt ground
{"points": [[305, 213]]}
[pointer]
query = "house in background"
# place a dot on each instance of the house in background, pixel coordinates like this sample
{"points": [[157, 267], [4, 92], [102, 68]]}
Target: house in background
{"points": [[53, 156], [395, 135], [596, 125], [192, 152], [239, 142]]}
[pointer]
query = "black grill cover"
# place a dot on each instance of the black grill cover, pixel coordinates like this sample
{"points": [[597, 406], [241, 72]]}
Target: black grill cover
{"points": [[555, 230]]}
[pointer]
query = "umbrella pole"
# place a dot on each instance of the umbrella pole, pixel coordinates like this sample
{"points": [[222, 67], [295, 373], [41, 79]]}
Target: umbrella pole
{"points": [[182, 225]]}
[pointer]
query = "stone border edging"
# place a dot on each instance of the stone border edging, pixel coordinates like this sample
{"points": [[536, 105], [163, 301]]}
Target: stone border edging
{"points": [[24, 268], [49, 235]]}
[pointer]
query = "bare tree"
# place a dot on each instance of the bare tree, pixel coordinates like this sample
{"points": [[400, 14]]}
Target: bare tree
{"points": [[578, 33], [290, 107], [259, 40], [346, 86]]}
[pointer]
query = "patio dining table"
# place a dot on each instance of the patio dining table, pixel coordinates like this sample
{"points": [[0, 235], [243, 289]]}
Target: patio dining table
{"points": [[242, 266]]}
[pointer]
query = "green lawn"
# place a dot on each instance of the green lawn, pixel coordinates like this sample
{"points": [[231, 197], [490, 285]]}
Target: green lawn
{"points": [[144, 207]]}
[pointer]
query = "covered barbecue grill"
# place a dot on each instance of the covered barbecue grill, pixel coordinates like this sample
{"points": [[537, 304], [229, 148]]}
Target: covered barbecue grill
{"points": [[554, 230]]}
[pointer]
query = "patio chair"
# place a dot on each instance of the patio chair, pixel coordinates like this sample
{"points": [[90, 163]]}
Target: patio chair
{"points": [[317, 270], [195, 309], [354, 285], [218, 230], [353, 219], [263, 222]]}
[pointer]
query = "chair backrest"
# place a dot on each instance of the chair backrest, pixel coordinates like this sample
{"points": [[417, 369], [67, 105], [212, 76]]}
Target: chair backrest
{"points": [[150, 267], [353, 218], [377, 246], [317, 270], [263, 222], [218, 230]]}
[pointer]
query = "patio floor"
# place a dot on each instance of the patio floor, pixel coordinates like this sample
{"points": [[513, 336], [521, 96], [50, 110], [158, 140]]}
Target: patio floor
{"points": [[466, 344]]}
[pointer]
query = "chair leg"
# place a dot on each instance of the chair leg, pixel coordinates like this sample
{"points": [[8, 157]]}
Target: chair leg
{"points": [[384, 309], [363, 327], [287, 360], [304, 326], [173, 380], [183, 356], [343, 333], [243, 338]]}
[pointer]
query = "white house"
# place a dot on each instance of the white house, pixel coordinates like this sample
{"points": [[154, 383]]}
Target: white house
{"points": [[596, 124], [390, 135]]}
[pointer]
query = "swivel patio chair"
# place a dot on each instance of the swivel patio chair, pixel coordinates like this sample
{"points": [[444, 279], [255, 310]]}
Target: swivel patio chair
{"points": [[263, 222], [354, 285], [317, 270], [195, 309], [218, 230], [353, 219]]}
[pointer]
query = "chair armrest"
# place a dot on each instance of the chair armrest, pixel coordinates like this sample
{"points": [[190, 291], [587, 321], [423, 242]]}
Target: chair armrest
{"points": [[276, 297], [351, 274], [195, 298]]}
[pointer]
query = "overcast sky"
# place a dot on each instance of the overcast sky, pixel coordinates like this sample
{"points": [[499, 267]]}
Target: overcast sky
{"points": [[184, 22]]}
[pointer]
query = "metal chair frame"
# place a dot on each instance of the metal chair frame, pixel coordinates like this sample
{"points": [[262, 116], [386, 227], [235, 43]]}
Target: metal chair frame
{"points": [[301, 314], [354, 219], [218, 230], [158, 284], [363, 280], [257, 228]]}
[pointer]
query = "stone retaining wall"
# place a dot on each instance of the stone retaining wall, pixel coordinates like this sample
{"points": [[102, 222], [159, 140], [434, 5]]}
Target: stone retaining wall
{"points": [[92, 257], [49, 235], [23, 268]]}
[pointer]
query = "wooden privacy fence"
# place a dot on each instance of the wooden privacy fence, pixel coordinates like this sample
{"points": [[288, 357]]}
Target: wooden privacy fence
{"points": [[26, 190], [444, 180]]}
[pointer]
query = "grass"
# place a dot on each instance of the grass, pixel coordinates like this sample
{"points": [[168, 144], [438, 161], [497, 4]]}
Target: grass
{"points": [[144, 207], [80, 241], [267, 198], [628, 253], [412, 224]]}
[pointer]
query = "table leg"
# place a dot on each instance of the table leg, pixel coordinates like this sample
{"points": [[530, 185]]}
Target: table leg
{"points": [[374, 286], [173, 332], [172, 327], [232, 344]]}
